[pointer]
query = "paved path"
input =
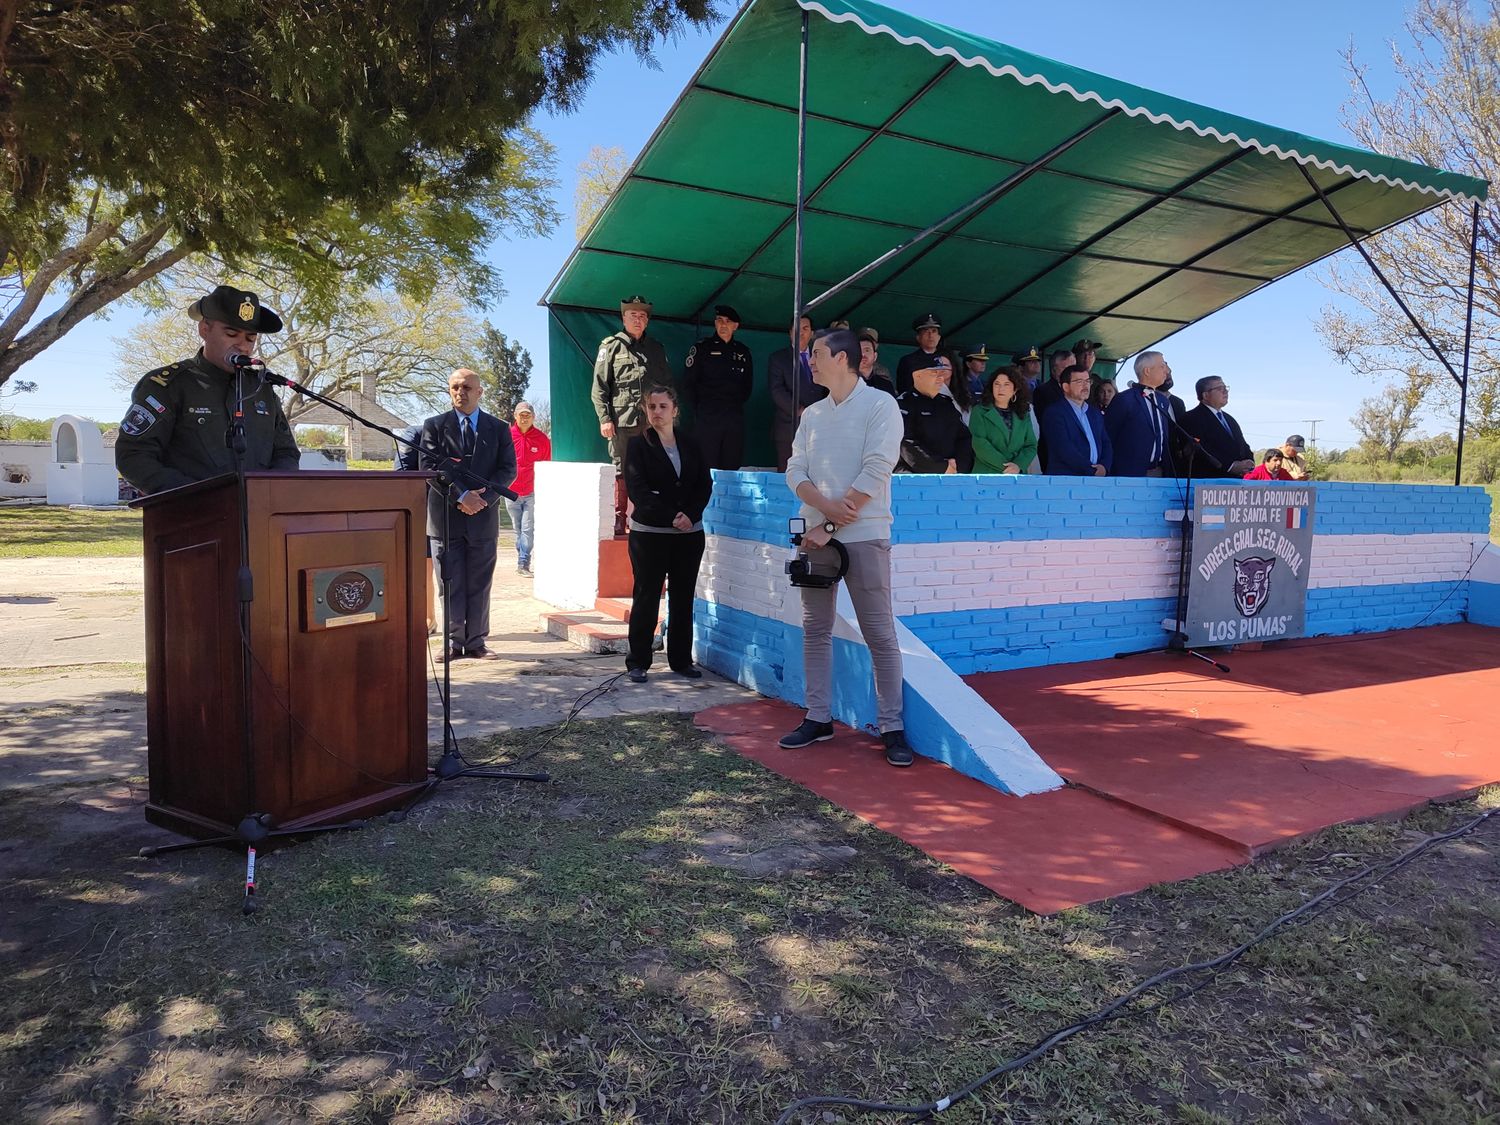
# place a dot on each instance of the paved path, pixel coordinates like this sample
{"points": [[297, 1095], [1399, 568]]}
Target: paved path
{"points": [[72, 672]]}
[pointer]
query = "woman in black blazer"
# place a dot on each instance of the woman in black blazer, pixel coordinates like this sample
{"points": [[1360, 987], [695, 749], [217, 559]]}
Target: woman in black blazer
{"points": [[667, 481]]}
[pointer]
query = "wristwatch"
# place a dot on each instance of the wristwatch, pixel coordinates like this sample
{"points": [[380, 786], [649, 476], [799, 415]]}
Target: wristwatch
{"points": [[830, 527]]}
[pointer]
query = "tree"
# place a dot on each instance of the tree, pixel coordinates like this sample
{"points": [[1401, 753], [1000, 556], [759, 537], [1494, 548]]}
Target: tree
{"points": [[8, 420], [505, 371], [408, 346], [1447, 115], [599, 173], [1386, 421], [133, 135]]}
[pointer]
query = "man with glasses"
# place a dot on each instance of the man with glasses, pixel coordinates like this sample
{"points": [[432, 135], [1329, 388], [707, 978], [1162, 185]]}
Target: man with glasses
{"points": [[1139, 422], [471, 447], [1077, 442], [1217, 432]]}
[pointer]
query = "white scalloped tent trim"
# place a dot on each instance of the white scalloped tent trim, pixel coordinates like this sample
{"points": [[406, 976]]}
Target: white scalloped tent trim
{"points": [[1130, 110]]}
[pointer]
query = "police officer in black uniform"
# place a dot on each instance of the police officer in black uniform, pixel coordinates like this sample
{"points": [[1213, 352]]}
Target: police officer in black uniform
{"points": [[717, 379], [935, 438], [177, 428]]}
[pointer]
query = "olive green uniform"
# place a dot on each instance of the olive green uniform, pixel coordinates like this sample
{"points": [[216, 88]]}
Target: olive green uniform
{"points": [[624, 370], [174, 432]]}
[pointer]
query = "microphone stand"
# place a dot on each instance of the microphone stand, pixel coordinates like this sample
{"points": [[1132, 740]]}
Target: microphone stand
{"points": [[452, 764], [254, 829], [1177, 635]]}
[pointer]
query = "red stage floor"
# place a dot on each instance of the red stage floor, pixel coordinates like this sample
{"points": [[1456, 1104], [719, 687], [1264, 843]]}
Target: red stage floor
{"points": [[1180, 769]]}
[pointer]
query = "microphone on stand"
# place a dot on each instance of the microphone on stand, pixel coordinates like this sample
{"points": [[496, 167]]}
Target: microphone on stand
{"points": [[238, 360]]}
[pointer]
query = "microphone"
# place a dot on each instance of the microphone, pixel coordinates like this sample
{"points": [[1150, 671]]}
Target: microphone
{"points": [[238, 360]]}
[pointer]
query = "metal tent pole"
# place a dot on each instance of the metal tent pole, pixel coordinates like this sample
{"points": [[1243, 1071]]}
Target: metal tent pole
{"points": [[1389, 288], [1463, 386], [801, 188]]}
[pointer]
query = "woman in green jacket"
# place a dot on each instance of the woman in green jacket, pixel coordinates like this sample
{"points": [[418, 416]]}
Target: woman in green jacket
{"points": [[1004, 441]]}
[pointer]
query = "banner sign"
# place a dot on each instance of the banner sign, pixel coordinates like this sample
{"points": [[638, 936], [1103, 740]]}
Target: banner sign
{"points": [[1251, 549]]}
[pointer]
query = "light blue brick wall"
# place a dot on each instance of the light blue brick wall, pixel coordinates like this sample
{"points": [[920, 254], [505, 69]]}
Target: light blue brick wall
{"points": [[756, 507]]}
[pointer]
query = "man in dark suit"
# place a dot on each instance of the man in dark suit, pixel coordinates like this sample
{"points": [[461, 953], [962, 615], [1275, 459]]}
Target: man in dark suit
{"points": [[792, 389], [1217, 432], [1077, 441], [1139, 422], [477, 452]]}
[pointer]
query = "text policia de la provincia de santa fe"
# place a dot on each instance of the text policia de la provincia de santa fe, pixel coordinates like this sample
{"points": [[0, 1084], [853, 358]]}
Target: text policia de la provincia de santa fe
{"points": [[1265, 511]]}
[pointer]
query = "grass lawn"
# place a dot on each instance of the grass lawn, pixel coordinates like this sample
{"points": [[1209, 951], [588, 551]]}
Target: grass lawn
{"points": [[36, 530], [669, 933]]}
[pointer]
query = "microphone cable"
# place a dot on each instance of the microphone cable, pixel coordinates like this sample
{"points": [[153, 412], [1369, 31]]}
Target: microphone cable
{"points": [[1367, 877]]}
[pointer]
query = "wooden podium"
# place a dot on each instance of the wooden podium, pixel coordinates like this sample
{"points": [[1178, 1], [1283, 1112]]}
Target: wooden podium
{"points": [[337, 695]]}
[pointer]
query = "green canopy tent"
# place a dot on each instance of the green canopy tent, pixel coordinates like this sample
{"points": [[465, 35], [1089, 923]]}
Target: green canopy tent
{"points": [[866, 165]]}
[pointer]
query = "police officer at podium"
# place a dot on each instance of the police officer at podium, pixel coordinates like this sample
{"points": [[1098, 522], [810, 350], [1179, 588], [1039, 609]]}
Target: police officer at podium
{"points": [[177, 429]]}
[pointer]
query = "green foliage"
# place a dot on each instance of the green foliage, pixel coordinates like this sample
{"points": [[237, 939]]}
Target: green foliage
{"points": [[599, 174], [26, 429], [505, 370], [177, 107], [349, 144], [1482, 459]]}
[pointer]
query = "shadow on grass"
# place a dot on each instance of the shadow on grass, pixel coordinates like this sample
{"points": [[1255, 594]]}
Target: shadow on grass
{"points": [[669, 933]]}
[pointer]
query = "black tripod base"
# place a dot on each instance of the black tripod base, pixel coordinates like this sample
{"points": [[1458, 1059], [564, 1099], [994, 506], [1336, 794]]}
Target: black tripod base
{"points": [[451, 767], [1181, 650], [252, 832]]}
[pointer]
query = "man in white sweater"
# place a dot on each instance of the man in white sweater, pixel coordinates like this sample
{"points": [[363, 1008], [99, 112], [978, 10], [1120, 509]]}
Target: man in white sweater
{"points": [[840, 468]]}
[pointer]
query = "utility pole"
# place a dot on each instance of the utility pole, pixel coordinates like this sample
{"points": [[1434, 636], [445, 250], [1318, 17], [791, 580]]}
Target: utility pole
{"points": [[1312, 431]]}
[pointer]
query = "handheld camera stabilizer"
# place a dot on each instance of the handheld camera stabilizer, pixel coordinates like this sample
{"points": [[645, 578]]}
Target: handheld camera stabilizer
{"points": [[800, 569]]}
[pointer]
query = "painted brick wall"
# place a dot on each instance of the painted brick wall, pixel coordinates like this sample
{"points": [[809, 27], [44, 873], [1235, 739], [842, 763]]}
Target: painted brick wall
{"points": [[995, 573]]}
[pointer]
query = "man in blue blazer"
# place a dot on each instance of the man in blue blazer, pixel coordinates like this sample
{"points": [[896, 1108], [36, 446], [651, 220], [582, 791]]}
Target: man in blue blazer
{"points": [[1073, 432], [472, 447], [1139, 422]]}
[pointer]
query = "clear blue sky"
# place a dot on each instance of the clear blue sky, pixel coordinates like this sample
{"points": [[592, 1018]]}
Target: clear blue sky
{"points": [[1276, 62]]}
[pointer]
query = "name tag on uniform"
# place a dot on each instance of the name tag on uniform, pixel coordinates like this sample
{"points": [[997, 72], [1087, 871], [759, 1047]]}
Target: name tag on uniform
{"points": [[200, 410]]}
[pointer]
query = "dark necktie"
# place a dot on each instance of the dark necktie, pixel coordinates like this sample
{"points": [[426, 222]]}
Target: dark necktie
{"points": [[468, 428], [1223, 421], [1156, 427]]}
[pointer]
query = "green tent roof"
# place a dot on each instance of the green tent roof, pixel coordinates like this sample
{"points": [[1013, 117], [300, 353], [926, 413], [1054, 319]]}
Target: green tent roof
{"points": [[1165, 212]]}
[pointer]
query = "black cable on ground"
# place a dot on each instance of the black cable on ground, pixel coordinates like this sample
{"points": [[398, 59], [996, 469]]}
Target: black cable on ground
{"points": [[1356, 884]]}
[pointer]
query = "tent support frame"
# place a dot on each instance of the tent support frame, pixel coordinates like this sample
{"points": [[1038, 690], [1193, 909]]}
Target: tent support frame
{"points": [[1463, 387], [1461, 380], [984, 198]]}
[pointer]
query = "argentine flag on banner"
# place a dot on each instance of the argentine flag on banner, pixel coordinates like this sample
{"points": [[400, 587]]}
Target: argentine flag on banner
{"points": [[1295, 518], [1213, 517]]}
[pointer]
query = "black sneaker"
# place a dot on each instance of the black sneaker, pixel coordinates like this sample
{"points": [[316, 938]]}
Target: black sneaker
{"points": [[689, 673], [897, 752], [806, 734], [638, 675]]}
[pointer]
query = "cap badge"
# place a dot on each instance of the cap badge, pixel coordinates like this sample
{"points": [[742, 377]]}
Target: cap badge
{"points": [[247, 310]]}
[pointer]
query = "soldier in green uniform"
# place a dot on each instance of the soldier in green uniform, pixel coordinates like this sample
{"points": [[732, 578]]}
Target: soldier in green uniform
{"points": [[629, 364], [177, 429]]}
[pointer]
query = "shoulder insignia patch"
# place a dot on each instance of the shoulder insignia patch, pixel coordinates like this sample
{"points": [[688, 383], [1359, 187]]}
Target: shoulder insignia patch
{"points": [[692, 354], [137, 420], [161, 378]]}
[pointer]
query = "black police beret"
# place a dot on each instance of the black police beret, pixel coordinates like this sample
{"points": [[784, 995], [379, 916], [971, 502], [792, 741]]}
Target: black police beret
{"points": [[727, 311]]}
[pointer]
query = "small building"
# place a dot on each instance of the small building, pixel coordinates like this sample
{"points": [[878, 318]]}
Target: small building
{"points": [[363, 444]]}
